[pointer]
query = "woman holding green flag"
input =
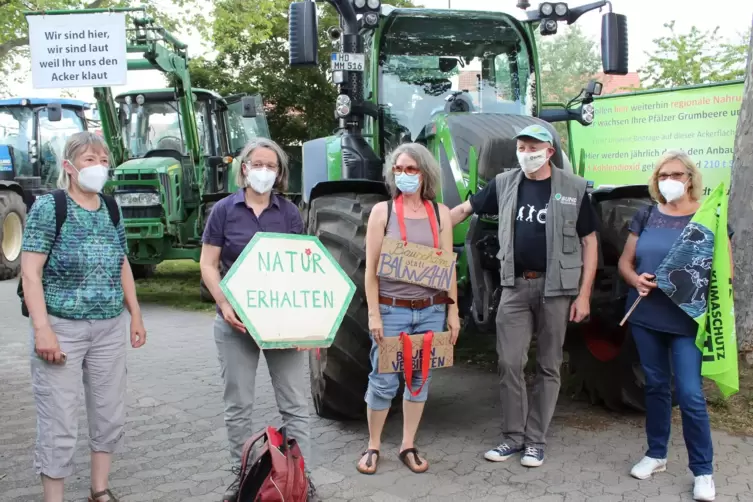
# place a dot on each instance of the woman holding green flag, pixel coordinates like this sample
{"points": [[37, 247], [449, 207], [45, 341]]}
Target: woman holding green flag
{"points": [[665, 334]]}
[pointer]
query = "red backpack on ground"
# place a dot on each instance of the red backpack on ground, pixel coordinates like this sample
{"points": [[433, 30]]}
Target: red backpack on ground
{"points": [[272, 469]]}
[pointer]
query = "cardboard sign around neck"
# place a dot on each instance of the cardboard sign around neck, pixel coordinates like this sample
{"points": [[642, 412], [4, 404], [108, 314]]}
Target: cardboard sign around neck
{"points": [[416, 264]]}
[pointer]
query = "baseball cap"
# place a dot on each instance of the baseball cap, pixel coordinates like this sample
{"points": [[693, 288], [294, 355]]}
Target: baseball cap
{"points": [[536, 132]]}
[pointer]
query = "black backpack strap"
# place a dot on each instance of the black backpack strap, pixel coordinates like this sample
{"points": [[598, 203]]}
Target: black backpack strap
{"points": [[61, 210], [436, 210], [112, 208], [389, 215]]}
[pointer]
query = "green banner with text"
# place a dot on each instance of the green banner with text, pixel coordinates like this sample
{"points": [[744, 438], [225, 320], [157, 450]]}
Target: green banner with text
{"points": [[631, 131]]}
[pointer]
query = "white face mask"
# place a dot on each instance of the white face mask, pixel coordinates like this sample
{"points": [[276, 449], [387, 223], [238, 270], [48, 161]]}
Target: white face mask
{"points": [[671, 190], [92, 178], [261, 180], [531, 162]]}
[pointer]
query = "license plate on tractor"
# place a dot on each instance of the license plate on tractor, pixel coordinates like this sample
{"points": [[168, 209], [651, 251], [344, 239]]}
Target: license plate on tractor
{"points": [[344, 61]]}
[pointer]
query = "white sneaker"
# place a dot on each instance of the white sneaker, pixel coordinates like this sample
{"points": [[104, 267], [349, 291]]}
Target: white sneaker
{"points": [[647, 466], [704, 488]]}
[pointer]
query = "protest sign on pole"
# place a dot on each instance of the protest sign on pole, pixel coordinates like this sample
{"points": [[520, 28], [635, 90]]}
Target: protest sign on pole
{"points": [[288, 291], [78, 50]]}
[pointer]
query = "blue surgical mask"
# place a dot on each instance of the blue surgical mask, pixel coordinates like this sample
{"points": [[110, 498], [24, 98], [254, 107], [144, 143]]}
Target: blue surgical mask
{"points": [[407, 183]]}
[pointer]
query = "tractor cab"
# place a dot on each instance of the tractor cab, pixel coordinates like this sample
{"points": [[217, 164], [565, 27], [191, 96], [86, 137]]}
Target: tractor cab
{"points": [[33, 133], [467, 86]]}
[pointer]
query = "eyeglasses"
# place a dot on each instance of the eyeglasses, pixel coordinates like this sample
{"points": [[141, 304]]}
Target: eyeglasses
{"points": [[410, 170], [259, 165], [673, 176]]}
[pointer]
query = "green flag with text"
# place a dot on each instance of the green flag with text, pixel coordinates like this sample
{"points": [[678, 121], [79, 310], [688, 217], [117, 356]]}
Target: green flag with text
{"points": [[697, 276]]}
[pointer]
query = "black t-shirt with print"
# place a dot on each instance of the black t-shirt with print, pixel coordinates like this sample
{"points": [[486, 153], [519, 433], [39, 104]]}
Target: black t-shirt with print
{"points": [[530, 222]]}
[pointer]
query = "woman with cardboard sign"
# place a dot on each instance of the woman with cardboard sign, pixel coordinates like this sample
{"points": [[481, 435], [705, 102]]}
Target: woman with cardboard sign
{"points": [[410, 289]]}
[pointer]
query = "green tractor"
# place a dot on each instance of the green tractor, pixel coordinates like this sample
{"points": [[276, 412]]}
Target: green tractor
{"points": [[174, 149], [170, 181], [462, 83]]}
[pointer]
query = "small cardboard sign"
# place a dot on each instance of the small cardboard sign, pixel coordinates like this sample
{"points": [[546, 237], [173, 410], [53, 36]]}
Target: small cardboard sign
{"points": [[416, 264], [391, 358]]}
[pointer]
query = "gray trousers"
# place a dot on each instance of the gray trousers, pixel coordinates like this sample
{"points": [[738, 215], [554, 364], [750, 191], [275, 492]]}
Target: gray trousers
{"points": [[239, 358], [523, 310], [96, 355]]}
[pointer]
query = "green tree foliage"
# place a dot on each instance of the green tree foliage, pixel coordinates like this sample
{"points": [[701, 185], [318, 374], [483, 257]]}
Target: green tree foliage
{"points": [[14, 29], [567, 61], [252, 56], [696, 57]]}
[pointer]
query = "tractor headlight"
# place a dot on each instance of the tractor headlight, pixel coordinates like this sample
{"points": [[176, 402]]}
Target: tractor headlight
{"points": [[546, 9], [138, 199], [373, 4], [342, 105], [371, 18], [560, 9], [360, 4], [587, 113]]}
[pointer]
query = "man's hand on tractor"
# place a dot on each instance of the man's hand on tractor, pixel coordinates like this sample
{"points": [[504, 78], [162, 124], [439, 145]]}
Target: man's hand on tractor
{"points": [[580, 309]]}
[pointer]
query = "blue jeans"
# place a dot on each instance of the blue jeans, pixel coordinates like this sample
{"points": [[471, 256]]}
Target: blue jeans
{"points": [[383, 386], [655, 349]]}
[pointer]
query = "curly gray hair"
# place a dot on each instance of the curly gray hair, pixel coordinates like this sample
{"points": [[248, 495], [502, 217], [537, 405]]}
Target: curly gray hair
{"points": [[427, 166], [281, 183]]}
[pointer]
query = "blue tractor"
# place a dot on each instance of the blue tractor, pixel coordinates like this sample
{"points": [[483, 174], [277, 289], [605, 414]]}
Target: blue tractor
{"points": [[33, 132]]}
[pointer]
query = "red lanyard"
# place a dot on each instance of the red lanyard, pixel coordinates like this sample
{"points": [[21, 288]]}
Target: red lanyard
{"points": [[400, 210]]}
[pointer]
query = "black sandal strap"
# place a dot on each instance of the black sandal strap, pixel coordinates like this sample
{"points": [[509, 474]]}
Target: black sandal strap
{"points": [[370, 452], [111, 497], [405, 453]]}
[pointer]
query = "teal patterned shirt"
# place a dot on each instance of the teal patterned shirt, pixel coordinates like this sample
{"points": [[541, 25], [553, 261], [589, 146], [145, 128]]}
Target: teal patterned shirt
{"points": [[82, 277]]}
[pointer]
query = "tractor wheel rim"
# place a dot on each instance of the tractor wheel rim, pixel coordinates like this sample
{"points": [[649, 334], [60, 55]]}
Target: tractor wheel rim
{"points": [[13, 232]]}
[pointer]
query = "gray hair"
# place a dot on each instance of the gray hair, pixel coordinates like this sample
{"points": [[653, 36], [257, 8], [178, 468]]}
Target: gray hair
{"points": [[76, 145], [427, 166], [281, 183]]}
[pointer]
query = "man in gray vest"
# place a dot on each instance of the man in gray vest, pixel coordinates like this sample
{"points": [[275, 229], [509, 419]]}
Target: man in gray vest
{"points": [[548, 255]]}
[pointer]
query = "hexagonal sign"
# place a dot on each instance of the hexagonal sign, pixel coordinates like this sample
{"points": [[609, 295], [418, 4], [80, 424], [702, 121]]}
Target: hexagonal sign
{"points": [[288, 291]]}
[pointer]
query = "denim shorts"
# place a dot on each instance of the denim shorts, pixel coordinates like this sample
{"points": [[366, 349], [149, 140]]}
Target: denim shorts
{"points": [[383, 386]]}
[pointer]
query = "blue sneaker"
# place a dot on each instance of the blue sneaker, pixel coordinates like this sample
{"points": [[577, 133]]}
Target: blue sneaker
{"points": [[502, 452], [532, 457]]}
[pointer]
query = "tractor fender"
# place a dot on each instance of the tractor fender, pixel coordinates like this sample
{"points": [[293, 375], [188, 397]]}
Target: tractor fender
{"points": [[348, 186], [315, 168]]}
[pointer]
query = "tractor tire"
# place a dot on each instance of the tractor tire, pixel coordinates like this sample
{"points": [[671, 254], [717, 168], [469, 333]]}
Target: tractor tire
{"points": [[339, 374], [12, 221], [613, 380], [143, 271], [603, 356]]}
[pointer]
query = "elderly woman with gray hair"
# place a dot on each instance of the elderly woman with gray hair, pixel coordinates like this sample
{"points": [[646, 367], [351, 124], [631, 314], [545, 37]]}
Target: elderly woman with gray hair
{"points": [[413, 177], [76, 280], [233, 222]]}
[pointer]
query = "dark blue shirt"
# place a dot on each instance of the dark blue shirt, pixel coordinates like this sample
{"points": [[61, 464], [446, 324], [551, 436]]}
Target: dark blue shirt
{"points": [[232, 224], [655, 238]]}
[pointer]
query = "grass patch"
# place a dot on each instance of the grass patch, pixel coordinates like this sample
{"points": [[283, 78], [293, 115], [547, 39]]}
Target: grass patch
{"points": [[734, 414], [174, 284]]}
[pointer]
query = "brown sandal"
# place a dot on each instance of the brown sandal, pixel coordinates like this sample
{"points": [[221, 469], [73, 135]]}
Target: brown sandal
{"points": [[111, 498], [369, 453], [404, 458]]}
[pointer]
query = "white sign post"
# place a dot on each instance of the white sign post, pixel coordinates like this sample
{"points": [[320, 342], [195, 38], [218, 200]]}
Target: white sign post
{"points": [[288, 291], [78, 50]]}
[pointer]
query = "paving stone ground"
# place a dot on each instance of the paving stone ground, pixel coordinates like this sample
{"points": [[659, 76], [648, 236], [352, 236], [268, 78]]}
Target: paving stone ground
{"points": [[176, 443]]}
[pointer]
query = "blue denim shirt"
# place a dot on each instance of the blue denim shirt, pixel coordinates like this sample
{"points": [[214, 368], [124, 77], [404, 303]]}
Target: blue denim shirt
{"points": [[232, 224]]}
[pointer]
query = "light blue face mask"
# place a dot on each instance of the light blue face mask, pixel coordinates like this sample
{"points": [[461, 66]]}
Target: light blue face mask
{"points": [[407, 183]]}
